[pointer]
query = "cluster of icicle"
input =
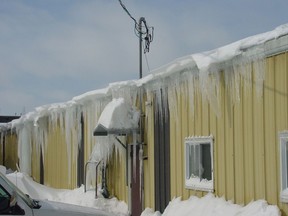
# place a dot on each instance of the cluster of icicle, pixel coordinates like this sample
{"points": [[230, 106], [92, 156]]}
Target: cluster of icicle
{"points": [[204, 73]]}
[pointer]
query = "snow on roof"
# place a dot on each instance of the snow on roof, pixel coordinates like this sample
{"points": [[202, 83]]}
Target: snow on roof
{"points": [[118, 116], [259, 45]]}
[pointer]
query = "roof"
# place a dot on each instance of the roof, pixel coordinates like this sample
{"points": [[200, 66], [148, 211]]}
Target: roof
{"points": [[5, 119]]}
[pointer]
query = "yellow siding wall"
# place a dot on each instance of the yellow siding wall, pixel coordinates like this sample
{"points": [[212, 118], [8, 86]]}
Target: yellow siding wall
{"points": [[246, 152], [149, 184], [116, 176], [56, 160], [35, 163], [11, 151], [57, 173]]}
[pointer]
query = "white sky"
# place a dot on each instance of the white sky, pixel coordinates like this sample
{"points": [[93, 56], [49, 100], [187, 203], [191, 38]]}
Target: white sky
{"points": [[53, 50]]}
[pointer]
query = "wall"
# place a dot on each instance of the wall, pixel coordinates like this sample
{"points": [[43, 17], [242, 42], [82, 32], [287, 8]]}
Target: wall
{"points": [[149, 182], [246, 144], [11, 149]]}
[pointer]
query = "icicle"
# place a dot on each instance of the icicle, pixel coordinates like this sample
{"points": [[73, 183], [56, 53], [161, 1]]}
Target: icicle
{"points": [[24, 148], [40, 134], [209, 87], [259, 74]]}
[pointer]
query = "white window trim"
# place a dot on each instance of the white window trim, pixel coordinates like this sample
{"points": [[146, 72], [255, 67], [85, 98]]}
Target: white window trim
{"points": [[195, 183], [283, 140]]}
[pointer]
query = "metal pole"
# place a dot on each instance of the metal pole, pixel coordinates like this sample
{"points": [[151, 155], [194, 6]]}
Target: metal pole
{"points": [[142, 19]]}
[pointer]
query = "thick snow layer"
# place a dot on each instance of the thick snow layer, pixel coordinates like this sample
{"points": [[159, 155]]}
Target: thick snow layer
{"points": [[119, 115], [75, 197], [210, 205]]}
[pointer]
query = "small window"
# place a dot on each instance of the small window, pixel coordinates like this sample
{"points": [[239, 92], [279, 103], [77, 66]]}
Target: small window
{"points": [[199, 163], [283, 138]]}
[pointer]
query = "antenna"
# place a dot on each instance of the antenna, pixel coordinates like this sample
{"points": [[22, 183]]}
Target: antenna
{"points": [[142, 30]]}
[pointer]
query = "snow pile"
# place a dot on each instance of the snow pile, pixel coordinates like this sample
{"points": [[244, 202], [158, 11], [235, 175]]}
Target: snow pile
{"points": [[210, 205], [76, 196], [118, 115]]}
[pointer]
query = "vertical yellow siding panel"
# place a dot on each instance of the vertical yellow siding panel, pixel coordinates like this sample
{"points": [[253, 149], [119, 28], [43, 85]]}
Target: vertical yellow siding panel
{"points": [[191, 126], [35, 164], [198, 128], [205, 119], [116, 175], [239, 151], [149, 193], [11, 151], [229, 147], [220, 148], [269, 134], [179, 151], [258, 140], [173, 155], [248, 145], [213, 131]]}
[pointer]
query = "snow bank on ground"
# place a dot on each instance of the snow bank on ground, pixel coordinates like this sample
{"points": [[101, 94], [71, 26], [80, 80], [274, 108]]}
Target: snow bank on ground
{"points": [[210, 205], [76, 196]]}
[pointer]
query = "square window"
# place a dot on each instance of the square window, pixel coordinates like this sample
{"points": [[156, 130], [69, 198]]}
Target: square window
{"points": [[283, 138], [199, 163]]}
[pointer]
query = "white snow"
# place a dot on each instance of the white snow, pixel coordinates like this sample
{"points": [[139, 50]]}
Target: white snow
{"points": [[210, 205], [75, 197], [119, 115], [196, 183]]}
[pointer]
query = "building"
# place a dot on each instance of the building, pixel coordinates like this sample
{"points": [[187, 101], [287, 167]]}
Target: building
{"points": [[211, 122]]}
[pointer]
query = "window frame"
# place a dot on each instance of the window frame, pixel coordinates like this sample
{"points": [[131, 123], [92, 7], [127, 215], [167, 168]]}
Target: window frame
{"points": [[195, 184], [283, 151]]}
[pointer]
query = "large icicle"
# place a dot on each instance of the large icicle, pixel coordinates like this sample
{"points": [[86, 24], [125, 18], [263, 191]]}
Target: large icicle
{"points": [[24, 148]]}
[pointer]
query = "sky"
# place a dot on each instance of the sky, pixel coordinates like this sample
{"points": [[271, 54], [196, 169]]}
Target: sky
{"points": [[53, 50]]}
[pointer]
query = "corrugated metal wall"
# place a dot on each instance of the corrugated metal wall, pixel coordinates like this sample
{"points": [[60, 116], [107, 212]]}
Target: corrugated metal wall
{"points": [[149, 181], [246, 152], [56, 168], [9, 158], [116, 176]]}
